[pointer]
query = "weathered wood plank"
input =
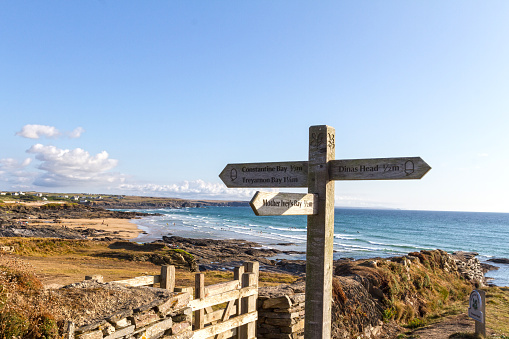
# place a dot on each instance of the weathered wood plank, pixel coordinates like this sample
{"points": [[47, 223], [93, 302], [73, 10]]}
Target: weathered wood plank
{"points": [[221, 288], [266, 174], [226, 334], [199, 292], [228, 310], [167, 279], [213, 316], [248, 331], [197, 304], [378, 169], [320, 235], [225, 326], [237, 275], [277, 203], [140, 281]]}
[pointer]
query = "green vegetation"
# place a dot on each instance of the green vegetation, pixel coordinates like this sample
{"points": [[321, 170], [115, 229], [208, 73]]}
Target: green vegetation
{"points": [[22, 310], [46, 246], [418, 292], [497, 309]]}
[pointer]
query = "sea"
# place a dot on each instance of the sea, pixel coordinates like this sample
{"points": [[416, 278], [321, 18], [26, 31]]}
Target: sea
{"points": [[358, 233]]}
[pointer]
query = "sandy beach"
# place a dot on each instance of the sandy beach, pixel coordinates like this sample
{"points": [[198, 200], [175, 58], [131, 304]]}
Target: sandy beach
{"points": [[122, 228]]}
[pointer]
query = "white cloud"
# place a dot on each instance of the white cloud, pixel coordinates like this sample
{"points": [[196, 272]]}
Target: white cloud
{"points": [[37, 131], [197, 189], [63, 167], [10, 164], [13, 173], [76, 133]]}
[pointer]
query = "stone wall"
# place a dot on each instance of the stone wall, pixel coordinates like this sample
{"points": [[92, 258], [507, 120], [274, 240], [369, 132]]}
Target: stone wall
{"points": [[281, 312], [168, 318]]}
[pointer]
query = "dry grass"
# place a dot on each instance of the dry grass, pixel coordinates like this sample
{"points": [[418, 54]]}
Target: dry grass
{"points": [[23, 308], [59, 261], [497, 309]]}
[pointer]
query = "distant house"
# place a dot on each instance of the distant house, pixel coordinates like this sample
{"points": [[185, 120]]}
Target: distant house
{"points": [[76, 197], [21, 193], [44, 199], [66, 197], [38, 195], [3, 193], [83, 201], [15, 193]]}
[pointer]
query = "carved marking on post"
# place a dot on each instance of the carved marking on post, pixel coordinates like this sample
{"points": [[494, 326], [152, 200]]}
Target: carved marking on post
{"points": [[378, 169], [269, 203], [269, 174]]}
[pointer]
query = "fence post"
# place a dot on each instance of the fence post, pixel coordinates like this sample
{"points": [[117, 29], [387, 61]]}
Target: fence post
{"points": [[254, 267], [199, 292], [237, 275], [248, 331], [168, 277]]}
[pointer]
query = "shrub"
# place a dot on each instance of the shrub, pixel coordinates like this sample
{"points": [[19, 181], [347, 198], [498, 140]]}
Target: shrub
{"points": [[415, 323], [22, 303]]}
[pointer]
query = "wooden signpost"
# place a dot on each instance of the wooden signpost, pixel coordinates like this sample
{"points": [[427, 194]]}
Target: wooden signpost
{"points": [[318, 175]]}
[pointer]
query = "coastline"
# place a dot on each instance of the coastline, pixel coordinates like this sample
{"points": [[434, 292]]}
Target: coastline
{"points": [[85, 222], [107, 227]]}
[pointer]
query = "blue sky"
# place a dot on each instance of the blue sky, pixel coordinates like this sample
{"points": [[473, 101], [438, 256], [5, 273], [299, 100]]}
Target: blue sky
{"points": [[156, 97]]}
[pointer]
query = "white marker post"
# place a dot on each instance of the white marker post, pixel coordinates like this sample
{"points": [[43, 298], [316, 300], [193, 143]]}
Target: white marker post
{"points": [[318, 175], [477, 311]]}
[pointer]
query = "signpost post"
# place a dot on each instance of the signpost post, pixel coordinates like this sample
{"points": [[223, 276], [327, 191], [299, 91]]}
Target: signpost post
{"points": [[318, 175]]}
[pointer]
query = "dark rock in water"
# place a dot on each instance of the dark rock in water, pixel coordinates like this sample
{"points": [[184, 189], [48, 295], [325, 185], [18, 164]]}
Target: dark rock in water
{"points": [[212, 254], [292, 266], [499, 260], [465, 255], [487, 267]]}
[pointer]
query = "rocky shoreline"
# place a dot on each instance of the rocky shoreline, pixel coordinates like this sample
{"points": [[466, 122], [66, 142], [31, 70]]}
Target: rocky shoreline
{"points": [[48, 221], [209, 254]]}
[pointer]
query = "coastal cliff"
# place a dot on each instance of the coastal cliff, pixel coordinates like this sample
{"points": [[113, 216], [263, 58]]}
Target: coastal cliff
{"points": [[133, 202]]}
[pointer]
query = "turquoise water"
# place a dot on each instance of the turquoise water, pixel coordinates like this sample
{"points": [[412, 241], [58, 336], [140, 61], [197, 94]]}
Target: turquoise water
{"points": [[358, 233]]}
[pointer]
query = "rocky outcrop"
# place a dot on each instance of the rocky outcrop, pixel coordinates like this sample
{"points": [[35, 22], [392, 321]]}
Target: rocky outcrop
{"points": [[9, 213], [211, 254], [153, 203], [469, 267]]}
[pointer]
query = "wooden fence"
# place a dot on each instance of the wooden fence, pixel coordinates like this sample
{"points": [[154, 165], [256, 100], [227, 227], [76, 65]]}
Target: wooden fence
{"points": [[224, 310], [165, 280], [227, 310]]}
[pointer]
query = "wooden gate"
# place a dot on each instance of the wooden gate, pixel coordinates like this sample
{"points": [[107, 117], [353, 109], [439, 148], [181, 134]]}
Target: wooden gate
{"points": [[227, 310]]}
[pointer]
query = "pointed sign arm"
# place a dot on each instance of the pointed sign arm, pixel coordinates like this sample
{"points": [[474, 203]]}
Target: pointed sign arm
{"points": [[378, 169]]}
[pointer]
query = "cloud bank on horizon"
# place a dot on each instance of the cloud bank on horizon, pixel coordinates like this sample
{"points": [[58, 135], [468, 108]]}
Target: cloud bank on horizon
{"points": [[39, 131], [70, 169]]}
